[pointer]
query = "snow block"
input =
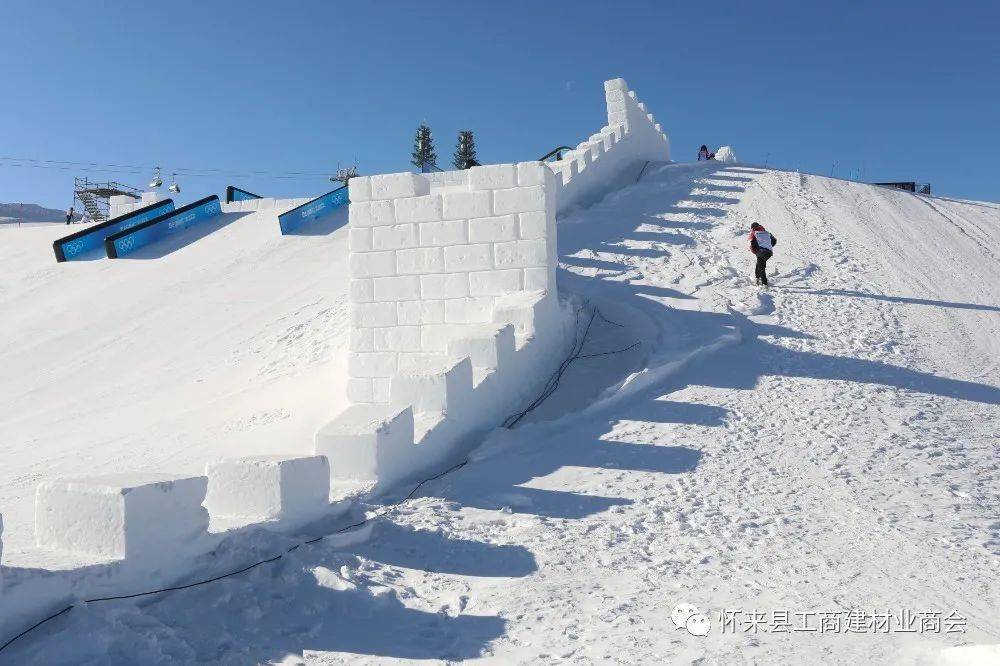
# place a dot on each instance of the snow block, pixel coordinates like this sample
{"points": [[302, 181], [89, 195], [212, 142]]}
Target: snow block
{"points": [[289, 488], [447, 285], [465, 205], [130, 515], [467, 258], [372, 264], [397, 237], [473, 310], [492, 229], [486, 345], [494, 283], [372, 214], [411, 313], [520, 199], [419, 260], [419, 209], [399, 185], [368, 442], [371, 364], [403, 288], [521, 254], [493, 177], [359, 189], [432, 384], [529, 312], [451, 232]]}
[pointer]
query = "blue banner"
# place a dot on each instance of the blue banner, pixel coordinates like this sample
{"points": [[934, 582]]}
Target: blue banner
{"points": [[130, 240], [310, 210], [73, 246], [236, 194]]}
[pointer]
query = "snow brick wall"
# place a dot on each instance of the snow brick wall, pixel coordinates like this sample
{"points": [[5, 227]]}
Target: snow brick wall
{"points": [[613, 157], [455, 315], [456, 324]]}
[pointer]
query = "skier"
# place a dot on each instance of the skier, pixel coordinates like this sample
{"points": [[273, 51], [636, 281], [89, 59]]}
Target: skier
{"points": [[703, 153], [69, 215], [762, 244]]}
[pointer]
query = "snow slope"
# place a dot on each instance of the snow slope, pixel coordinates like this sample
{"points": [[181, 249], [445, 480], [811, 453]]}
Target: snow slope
{"points": [[220, 342], [827, 445]]}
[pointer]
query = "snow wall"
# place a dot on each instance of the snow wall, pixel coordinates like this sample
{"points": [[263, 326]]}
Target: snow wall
{"points": [[614, 156], [455, 314], [456, 323]]}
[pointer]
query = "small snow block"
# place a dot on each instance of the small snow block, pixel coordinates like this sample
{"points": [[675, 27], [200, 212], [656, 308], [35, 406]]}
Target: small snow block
{"points": [[427, 208], [367, 442], [398, 185], [291, 488], [130, 515], [495, 283], [492, 177], [359, 188], [469, 204], [522, 199], [473, 310], [487, 345], [615, 84], [432, 384], [527, 311]]}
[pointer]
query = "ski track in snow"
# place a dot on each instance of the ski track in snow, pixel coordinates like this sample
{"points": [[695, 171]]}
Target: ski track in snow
{"points": [[839, 452]]}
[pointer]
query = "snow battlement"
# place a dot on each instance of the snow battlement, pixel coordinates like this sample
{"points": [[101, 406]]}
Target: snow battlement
{"points": [[455, 315], [427, 265], [455, 325], [615, 155]]}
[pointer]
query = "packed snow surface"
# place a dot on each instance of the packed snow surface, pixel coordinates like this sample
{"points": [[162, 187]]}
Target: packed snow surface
{"points": [[827, 445]]}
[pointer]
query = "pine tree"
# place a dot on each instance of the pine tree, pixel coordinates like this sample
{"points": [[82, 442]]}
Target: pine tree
{"points": [[423, 155], [465, 151]]}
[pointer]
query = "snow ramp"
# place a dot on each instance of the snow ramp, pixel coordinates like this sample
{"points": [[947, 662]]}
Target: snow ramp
{"points": [[188, 352]]}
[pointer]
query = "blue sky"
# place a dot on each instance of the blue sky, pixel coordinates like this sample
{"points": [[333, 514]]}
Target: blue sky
{"points": [[904, 90]]}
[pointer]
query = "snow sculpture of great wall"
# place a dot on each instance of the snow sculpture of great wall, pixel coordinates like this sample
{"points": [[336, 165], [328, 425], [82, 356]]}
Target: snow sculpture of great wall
{"points": [[456, 322]]}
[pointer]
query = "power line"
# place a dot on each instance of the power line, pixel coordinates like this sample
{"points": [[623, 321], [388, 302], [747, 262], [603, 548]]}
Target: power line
{"points": [[138, 169]]}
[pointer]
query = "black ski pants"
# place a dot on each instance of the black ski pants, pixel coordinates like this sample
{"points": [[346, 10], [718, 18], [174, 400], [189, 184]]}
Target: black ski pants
{"points": [[761, 271]]}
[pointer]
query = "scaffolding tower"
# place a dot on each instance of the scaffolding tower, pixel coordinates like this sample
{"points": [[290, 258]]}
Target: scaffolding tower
{"points": [[94, 196]]}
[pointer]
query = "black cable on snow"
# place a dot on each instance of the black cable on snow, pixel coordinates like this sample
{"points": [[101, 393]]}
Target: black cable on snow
{"points": [[551, 385]]}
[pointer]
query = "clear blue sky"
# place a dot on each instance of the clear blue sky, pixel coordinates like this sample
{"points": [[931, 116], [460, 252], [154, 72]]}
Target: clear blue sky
{"points": [[908, 90]]}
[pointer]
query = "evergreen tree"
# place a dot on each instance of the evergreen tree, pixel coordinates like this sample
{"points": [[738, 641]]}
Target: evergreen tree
{"points": [[465, 151], [423, 155]]}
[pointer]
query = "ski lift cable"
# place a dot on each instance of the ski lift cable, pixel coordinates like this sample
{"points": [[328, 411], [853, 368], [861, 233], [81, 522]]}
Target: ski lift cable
{"points": [[31, 162]]}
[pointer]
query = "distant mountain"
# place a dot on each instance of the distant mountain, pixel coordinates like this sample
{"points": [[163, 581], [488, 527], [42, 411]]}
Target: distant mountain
{"points": [[32, 213]]}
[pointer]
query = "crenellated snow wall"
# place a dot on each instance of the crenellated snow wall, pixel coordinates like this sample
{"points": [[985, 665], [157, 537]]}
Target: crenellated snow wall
{"points": [[456, 323], [455, 315]]}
